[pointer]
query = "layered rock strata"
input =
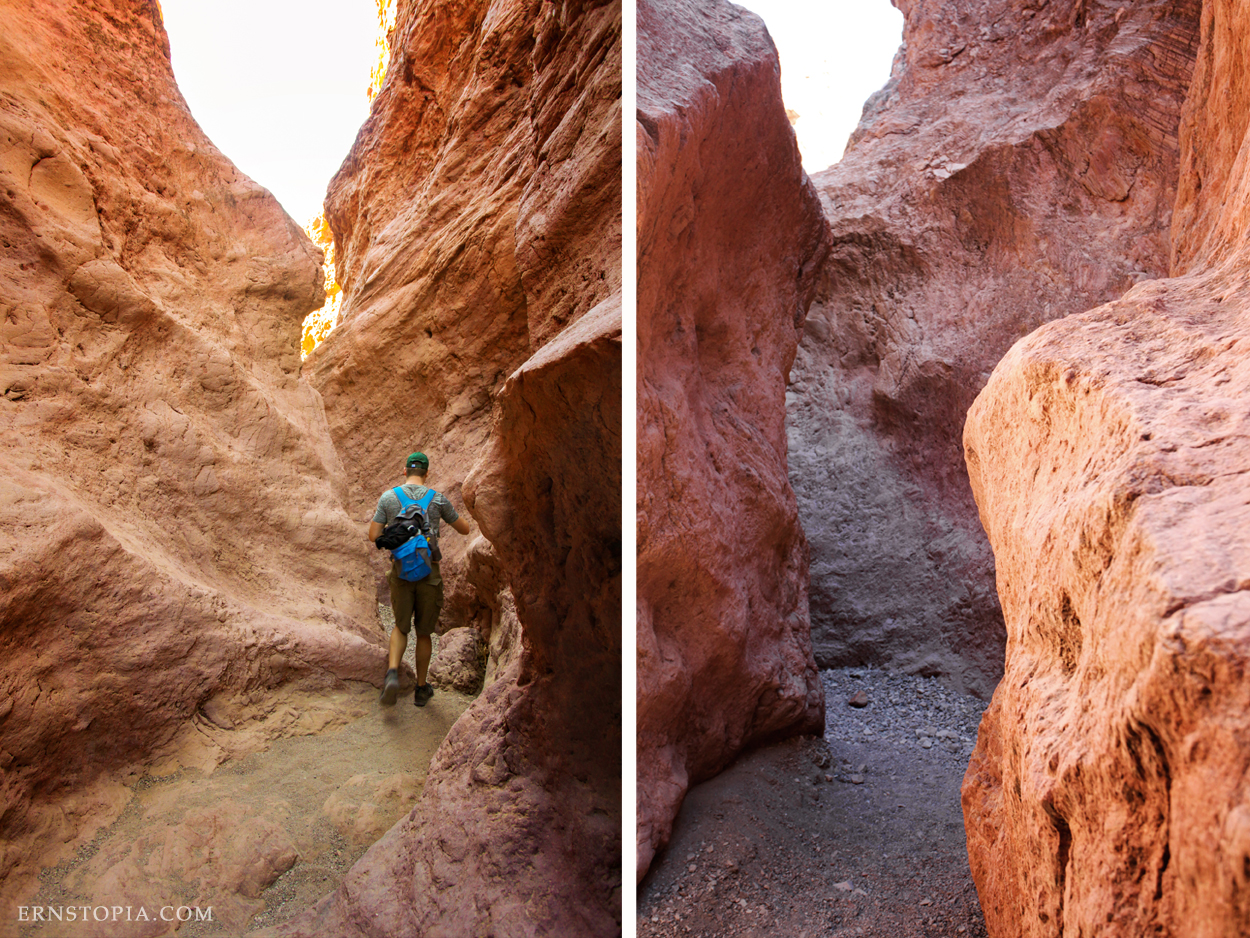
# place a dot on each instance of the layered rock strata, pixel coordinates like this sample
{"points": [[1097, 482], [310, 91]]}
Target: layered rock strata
{"points": [[478, 225], [172, 541], [1110, 460], [1019, 166], [729, 237]]}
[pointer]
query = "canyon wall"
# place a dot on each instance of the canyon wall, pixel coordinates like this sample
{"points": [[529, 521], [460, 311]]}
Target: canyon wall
{"points": [[467, 223], [1110, 459], [478, 226], [729, 237], [172, 537], [1019, 166]]}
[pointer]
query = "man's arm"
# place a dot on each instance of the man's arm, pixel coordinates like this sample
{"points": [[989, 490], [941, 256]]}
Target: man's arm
{"points": [[461, 524], [375, 530]]}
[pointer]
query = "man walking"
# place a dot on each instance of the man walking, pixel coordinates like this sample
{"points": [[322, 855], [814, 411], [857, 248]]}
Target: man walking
{"points": [[420, 601]]}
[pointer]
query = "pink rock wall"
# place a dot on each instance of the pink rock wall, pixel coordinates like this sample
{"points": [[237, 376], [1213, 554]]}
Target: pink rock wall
{"points": [[479, 219], [729, 234], [1108, 455], [171, 529], [1019, 166]]}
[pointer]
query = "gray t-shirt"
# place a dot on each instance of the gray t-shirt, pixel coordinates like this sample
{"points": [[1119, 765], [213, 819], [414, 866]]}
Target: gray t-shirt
{"points": [[389, 507]]}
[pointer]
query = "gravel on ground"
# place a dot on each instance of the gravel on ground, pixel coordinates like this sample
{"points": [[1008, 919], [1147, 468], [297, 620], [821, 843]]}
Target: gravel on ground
{"points": [[856, 833]]}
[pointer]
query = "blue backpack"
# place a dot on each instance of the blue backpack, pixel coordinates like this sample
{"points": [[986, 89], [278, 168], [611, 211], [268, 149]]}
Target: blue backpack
{"points": [[414, 554]]}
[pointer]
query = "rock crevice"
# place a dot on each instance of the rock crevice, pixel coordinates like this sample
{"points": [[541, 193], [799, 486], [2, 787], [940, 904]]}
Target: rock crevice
{"points": [[1019, 166]]}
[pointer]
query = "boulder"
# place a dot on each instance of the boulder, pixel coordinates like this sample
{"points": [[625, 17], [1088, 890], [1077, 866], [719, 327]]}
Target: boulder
{"points": [[729, 237], [1108, 455], [1019, 166], [458, 663]]}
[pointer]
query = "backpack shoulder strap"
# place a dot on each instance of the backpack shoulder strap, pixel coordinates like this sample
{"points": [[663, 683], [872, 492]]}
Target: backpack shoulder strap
{"points": [[425, 500], [404, 500]]}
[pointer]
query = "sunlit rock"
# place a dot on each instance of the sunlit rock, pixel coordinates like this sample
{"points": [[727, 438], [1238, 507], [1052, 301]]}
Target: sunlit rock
{"points": [[1108, 455]]}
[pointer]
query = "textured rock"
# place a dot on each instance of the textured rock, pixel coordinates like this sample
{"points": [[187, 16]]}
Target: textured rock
{"points": [[171, 529], [363, 809], [482, 313], [458, 663], [453, 273], [728, 235], [1110, 458], [1019, 166]]}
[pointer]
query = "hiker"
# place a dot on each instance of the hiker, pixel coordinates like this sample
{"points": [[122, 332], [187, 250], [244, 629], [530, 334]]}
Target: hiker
{"points": [[422, 600]]}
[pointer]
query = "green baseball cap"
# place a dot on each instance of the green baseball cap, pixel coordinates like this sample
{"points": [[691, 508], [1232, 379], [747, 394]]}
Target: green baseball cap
{"points": [[418, 459]]}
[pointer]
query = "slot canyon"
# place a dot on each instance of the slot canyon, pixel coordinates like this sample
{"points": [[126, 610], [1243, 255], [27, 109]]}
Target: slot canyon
{"points": [[960, 420], [185, 583]]}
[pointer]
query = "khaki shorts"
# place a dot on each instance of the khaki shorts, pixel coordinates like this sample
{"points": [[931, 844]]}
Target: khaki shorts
{"points": [[421, 601]]}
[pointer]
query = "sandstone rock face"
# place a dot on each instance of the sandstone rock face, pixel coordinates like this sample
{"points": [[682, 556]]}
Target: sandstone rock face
{"points": [[1019, 166], [478, 223], [729, 235], [1108, 455], [171, 531]]}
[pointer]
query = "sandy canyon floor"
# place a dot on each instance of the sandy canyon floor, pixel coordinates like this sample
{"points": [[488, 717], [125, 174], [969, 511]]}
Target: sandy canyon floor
{"points": [[858, 833], [306, 807]]}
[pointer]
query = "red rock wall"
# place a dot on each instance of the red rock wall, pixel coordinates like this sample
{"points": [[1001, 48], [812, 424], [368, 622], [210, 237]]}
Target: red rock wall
{"points": [[728, 235], [1108, 455], [1020, 166], [478, 218], [171, 529], [452, 274]]}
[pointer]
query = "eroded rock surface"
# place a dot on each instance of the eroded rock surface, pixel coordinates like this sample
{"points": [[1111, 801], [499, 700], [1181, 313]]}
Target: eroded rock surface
{"points": [[478, 224], [1110, 459], [1019, 166], [457, 663], [729, 234], [172, 537], [467, 223]]}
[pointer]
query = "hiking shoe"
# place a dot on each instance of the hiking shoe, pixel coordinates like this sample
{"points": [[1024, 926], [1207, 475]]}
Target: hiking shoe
{"points": [[390, 687], [421, 696]]}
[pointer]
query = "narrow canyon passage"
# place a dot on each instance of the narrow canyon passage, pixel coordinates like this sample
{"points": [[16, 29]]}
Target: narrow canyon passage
{"points": [[1014, 462], [264, 835], [854, 833], [185, 580]]}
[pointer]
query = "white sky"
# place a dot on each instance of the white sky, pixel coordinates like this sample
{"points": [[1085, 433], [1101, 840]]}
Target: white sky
{"points": [[834, 54], [278, 85]]}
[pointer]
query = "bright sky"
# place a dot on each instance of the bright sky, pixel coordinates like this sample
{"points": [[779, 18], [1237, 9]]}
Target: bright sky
{"points": [[834, 54], [278, 85]]}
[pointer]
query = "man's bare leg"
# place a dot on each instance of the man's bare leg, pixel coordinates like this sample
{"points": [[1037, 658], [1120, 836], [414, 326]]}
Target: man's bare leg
{"points": [[421, 696], [399, 642], [390, 685], [424, 648]]}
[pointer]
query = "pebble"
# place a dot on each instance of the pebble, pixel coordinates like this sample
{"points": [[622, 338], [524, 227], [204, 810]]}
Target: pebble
{"points": [[860, 699], [904, 711]]}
